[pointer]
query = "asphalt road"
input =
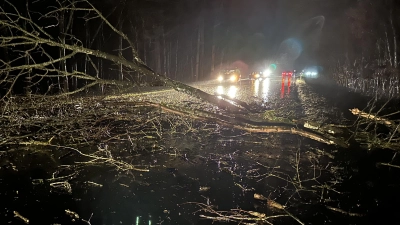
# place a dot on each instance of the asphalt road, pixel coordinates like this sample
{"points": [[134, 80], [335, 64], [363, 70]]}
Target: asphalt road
{"points": [[250, 90], [265, 90]]}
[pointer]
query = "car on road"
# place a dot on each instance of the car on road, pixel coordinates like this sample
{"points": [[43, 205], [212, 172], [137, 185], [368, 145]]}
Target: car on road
{"points": [[311, 71], [229, 75], [259, 75]]}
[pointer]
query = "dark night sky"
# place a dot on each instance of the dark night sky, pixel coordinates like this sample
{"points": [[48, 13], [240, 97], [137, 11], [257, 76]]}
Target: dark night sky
{"points": [[251, 31], [266, 23], [254, 29]]}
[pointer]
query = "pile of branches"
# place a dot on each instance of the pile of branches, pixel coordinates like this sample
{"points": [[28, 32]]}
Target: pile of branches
{"points": [[376, 129], [86, 121]]}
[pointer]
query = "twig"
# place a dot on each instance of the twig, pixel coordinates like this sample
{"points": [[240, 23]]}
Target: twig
{"points": [[344, 212], [387, 164], [370, 116], [19, 216]]}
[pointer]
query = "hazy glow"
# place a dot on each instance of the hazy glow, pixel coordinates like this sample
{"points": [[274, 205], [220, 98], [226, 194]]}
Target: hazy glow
{"points": [[256, 87], [290, 49], [232, 92], [311, 73], [261, 88], [233, 78], [220, 91], [220, 78], [267, 73], [265, 88]]}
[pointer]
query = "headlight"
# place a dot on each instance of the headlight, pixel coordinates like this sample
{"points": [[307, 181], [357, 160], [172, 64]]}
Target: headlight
{"points": [[257, 75], [220, 78], [267, 73], [314, 73], [233, 78], [308, 73]]}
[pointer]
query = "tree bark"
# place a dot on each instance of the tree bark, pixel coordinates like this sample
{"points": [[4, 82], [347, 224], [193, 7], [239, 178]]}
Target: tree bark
{"points": [[164, 71], [87, 33], [158, 56], [202, 61], [120, 47], [389, 54], [28, 82], [144, 42], [394, 37], [222, 57], [213, 57], [62, 84], [198, 54], [176, 59]]}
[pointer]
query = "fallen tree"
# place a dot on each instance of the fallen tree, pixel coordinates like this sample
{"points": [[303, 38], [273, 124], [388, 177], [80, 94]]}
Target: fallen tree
{"points": [[38, 38], [248, 125], [24, 32], [375, 130], [55, 121]]}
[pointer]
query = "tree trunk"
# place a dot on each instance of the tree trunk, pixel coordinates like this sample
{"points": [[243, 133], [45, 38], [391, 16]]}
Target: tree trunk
{"points": [[137, 38], [169, 59], [87, 36], [62, 82], [176, 59], [394, 38], [378, 46], [222, 56], [120, 47], [164, 52], [202, 61], [144, 42], [213, 57], [137, 48], [157, 56], [389, 54], [192, 67], [75, 79], [28, 81], [198, 54]]}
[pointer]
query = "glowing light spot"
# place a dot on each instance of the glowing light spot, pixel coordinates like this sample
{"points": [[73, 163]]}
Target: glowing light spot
{"points": [[265, 88], [232, 92], [256, 87], [220, 90]]}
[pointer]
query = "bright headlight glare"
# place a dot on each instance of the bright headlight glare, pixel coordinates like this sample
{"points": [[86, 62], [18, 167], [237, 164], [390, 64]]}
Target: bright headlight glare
{"points": [[220, 78], [308, 73], [257, 75], [233, 78], [267, 72]]}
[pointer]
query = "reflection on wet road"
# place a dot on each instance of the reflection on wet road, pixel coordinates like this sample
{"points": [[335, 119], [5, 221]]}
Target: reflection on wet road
{"points": [[263, 89], [229, 91]]}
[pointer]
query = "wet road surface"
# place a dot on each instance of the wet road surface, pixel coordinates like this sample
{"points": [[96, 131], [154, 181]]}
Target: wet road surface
{"points": [[263, 90]]}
